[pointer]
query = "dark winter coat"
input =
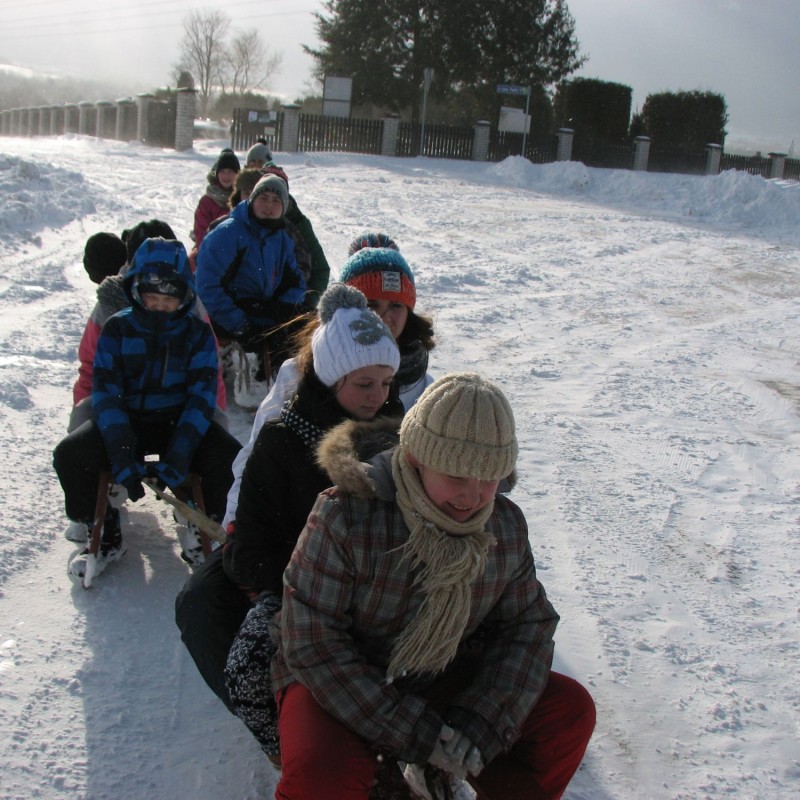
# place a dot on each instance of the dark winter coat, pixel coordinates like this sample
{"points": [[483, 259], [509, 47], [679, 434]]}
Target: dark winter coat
{"points": [[154, 366], [279, 486], [349, 593], [320, 272], [247, 274]]}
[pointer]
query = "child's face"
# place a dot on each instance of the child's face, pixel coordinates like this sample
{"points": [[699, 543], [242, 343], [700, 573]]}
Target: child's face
{"points": [[160, 302], [459, 498], [267, 205], [393, 314], [363, 392], [226, 178], [255, 163]]}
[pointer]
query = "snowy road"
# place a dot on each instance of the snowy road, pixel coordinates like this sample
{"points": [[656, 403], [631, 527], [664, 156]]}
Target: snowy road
{"points": [[645, 328]]}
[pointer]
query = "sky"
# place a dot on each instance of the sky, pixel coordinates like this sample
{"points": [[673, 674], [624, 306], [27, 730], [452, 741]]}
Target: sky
{"points": [[644, 329], [741, 49]]}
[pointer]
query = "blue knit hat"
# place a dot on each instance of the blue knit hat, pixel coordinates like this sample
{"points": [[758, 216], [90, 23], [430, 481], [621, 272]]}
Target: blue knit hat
{"points": [[381, 273]]}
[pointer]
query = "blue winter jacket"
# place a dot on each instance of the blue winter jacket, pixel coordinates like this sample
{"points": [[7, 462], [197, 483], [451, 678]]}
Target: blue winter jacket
{"points": [[154, 367], [247, 274]]}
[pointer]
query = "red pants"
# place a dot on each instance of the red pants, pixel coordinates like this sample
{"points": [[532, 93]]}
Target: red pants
{"points": [[324, 760]]}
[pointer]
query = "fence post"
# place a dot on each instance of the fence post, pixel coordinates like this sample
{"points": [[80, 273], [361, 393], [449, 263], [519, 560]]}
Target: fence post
{"points": [[391, 125], [777, 165], [641, 152], [564, 147], [33, 121], [44, 120], [480, 140], [142, 105], [56, 120], [713, 158], [5, 119], [104, 128], [25, 122], [85, 109], [126, 119], [290, 130], [184, 119], [71, 118]]}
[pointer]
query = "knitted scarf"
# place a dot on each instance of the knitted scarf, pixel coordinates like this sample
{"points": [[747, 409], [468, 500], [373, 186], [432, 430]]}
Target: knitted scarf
{"points": [[306, 430], [448, 556], [218, 194]]}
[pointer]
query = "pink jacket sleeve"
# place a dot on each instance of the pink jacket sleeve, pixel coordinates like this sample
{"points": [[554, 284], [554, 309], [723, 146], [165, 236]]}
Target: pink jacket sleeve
{"points": [[86, 350]]}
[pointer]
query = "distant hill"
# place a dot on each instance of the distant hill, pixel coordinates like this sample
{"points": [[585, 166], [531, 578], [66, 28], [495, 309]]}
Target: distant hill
{"points": [[21, 87]]}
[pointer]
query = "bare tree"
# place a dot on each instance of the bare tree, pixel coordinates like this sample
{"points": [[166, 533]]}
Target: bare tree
{"points": [[248, 64], [203, 50]]}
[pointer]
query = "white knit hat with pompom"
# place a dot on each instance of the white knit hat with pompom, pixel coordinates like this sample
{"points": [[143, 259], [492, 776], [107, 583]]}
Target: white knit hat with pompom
{"points": [[350, 337]]}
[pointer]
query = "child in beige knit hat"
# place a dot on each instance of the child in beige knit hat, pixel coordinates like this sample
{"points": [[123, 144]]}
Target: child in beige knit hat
{"points": [[413, 624]]}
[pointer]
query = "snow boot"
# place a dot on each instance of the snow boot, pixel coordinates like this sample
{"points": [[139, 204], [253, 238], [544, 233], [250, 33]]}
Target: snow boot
{"points": [[191, 544], [112, 546], [77, 532]]}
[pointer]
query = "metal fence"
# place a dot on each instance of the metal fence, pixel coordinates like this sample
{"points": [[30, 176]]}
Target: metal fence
{"points": [[538, 149], [319, 133], [753, 164], [161, 116], [250, 124], [322, 133], [439, 141], [680, 161], [598, 153]]}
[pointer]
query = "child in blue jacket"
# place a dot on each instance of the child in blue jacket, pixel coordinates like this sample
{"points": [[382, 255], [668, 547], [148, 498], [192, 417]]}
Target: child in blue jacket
{"points": [[154, 392], [248, 276]]}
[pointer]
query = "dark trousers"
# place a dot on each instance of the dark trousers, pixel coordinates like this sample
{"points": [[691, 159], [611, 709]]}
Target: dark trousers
{"points": [[209, 610], [81, 456], [324, 759]]}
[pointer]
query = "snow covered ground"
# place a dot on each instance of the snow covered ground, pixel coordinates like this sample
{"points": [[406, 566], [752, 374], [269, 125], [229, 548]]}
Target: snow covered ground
{"points": [[645, 328]]}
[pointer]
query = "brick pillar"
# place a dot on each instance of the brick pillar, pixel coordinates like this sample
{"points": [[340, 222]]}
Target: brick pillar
{"points": [[142, 105], [641, 153], [391, 124], [564, 146], [87, 118], [44, 120], [777, 165], [184, 121], [57, 120], [125, 130], [106, 120], [33, 122], [713, 157], [480, 140], [71, 118], [290, 129]]}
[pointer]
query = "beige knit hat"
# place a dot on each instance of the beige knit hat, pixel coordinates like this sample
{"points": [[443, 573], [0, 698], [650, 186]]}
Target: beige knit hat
{"points": [[462, 425]]}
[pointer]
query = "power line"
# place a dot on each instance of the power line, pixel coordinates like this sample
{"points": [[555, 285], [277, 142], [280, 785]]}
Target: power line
{"points": [[88, 17], [128, 28]]}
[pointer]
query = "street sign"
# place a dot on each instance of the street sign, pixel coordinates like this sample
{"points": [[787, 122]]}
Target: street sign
{"points": [[510, 88]]}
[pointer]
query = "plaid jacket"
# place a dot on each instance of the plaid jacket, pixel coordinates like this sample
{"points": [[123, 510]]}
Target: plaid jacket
{"points": [[348, 594]]}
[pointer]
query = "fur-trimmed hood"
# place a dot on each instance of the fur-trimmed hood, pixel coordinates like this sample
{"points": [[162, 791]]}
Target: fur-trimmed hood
{"points": [[111, 294], [346, 453], [357, 458]]}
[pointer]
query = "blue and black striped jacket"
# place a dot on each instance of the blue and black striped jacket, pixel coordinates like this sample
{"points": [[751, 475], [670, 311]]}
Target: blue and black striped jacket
{"points": [[154, 367]]}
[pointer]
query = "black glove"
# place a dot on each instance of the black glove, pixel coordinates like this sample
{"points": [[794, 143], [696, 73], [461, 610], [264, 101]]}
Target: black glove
{"points": [[134, 488]]}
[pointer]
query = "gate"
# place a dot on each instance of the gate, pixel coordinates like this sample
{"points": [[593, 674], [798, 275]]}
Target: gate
{"points": [[161, 116], [250, 124]]}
